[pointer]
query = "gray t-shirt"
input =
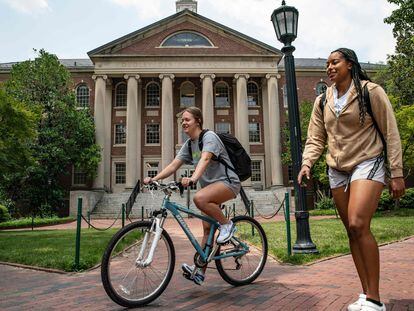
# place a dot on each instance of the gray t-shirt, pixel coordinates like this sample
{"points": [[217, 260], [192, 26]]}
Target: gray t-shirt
{"points": [[215, 171]]}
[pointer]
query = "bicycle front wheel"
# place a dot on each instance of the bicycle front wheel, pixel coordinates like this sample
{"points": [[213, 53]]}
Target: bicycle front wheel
{"points": [[244, 269], [128, 279]]}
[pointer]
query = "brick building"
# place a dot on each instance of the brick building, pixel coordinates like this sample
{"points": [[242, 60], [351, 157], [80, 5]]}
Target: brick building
{"points": [[137, 85]]}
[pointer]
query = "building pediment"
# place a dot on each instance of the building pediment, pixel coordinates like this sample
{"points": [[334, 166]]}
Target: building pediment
{"points": [[219, 40]]}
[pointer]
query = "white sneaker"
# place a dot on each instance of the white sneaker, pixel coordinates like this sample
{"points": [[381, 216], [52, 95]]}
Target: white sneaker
{"points": [[370, 306], [357, 305], [226, 232]]}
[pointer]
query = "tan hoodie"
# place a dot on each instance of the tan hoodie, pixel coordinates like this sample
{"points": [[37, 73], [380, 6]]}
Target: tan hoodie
{"points": [[349, 143]]}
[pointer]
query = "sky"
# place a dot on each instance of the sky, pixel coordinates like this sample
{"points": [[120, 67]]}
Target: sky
{"points": [[71, 28]]}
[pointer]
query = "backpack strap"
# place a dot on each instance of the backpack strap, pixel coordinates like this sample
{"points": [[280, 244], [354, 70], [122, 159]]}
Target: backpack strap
{"points": [[200, 143]]}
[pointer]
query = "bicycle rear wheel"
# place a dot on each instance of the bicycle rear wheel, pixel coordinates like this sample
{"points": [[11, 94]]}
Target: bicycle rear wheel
{"points": [[126, 281], [242, 270]]}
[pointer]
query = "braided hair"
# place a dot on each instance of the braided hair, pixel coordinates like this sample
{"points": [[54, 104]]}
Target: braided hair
{"points": [[357, 74]]}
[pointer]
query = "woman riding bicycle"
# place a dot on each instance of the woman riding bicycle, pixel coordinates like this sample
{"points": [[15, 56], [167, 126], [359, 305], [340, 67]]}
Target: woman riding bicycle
{"points": [[218, 184]]}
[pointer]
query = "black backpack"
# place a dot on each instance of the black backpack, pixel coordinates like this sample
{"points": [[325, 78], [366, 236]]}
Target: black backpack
{"points": [[238, 156]]}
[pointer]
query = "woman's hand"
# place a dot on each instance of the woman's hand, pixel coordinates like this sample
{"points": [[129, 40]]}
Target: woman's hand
{"points": [[147, 180], [304, 171], [185, 181], [397, 187]]}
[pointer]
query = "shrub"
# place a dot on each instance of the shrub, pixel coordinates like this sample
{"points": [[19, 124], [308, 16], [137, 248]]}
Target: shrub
{"points": [[325, 203], [386, 202], [4, 214], [407, 200]]}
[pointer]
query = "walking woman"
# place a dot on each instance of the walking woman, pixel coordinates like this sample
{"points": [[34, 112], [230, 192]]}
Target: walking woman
{"points": [[346, 122], [218, 184]]}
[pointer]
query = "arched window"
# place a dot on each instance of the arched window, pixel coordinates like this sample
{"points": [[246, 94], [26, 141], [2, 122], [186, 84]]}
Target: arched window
{"points": [[222, 94], [82, 95], [121, 95], [186, 39], [252, 94], [320, 88], [152, 95], [187, 94]]}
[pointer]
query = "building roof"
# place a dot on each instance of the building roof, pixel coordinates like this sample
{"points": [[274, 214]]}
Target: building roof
{"points": [[136, 35], [300, 63], [320, 63]]}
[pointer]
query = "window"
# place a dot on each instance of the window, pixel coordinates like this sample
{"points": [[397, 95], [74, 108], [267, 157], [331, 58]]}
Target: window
{"points": [[121, 95], [120, 173], [152, 95], [252, 94], [187, 94], [152, 169], [82, 95], [223, 127], [120, 134], [186, 39], [79, 176], [152, 133], [256, 170], [222, 95], [254, 132], [320, 88]]}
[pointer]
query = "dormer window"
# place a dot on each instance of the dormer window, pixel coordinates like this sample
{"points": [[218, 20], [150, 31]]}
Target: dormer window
{"points": [[186, 39]]}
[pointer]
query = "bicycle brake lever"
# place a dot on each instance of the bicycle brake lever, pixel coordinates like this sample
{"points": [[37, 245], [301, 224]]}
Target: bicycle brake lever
{"points": [[181, 188]]}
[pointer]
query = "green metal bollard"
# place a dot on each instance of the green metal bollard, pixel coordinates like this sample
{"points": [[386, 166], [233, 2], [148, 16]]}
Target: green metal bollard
{"points": [[252, 214], [89, 219], [78, 234], [287, 218], [123, 215]]}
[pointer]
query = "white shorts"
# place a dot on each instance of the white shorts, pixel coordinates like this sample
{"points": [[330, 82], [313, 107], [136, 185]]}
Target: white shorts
{"points": [[371, 169]]}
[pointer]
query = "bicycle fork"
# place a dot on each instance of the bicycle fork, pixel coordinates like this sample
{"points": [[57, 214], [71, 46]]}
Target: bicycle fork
{"points": [[156, 231]]}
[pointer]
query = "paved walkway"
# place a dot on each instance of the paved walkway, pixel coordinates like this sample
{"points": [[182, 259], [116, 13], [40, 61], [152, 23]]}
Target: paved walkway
{"points": [[327, 285]]}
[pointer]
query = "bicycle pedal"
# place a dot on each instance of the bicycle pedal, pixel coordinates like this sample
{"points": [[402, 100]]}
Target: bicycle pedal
{"points": [[187, 275]]}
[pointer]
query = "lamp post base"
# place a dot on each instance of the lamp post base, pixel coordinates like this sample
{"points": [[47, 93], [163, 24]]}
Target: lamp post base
{"points": [[304, 244]]}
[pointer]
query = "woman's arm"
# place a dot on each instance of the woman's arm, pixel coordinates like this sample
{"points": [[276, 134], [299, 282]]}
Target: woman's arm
{"points": [[169, 170]]}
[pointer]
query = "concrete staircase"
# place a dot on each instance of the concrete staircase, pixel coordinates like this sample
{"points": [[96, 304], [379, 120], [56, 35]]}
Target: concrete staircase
{"points": [[266, 202]]}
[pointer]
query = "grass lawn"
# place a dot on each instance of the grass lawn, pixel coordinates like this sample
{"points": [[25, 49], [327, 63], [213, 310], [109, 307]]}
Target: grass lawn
{"points": [[53, 248], [56, 248], [330, 237]]}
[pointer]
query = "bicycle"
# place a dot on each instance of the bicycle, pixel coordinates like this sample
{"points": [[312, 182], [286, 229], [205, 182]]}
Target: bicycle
{"points": [[139, 261]]}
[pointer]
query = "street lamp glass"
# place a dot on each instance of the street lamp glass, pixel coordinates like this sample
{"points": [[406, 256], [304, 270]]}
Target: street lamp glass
{"points": [[285, 22]]}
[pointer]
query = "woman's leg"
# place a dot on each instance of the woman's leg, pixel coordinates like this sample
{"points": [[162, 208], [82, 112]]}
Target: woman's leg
{"points": [[208, 200], [341, 199], [363, 202]]}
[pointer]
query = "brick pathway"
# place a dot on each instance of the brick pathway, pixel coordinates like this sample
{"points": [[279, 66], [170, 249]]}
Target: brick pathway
{"points": [[327, 285]]}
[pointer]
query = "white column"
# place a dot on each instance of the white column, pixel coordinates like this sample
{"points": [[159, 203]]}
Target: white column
{"points": [[267, 160], [167, 121], [242, 112], [139, 130], [208, 100], [99, 126], [108, 132], [131, 135], [274, 126]]}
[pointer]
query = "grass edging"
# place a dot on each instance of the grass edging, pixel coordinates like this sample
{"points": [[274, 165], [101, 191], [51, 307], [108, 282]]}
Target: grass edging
{"points": [[27, 225]]}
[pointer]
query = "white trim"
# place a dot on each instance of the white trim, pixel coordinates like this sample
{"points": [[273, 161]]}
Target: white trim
{"points": [[187, 46], [73, 179], [228, 95], [115, 144], [115, 90], [159, 95]]}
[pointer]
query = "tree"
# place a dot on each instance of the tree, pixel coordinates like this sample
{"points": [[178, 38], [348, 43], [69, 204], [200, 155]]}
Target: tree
{"points": [[400, 82], [65, 134], [318, 171], [17, 133]]}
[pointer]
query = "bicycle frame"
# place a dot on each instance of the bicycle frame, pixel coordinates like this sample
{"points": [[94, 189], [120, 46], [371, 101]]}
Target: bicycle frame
{"points": [[208, 253]]}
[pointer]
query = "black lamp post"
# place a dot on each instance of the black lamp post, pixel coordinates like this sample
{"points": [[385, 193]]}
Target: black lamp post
{"points": [[285, 22]]}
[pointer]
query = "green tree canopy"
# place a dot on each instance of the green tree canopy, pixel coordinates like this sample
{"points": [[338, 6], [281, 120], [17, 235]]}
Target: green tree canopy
{"points": [[65, 134], [400, 72], [17, 133]]}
